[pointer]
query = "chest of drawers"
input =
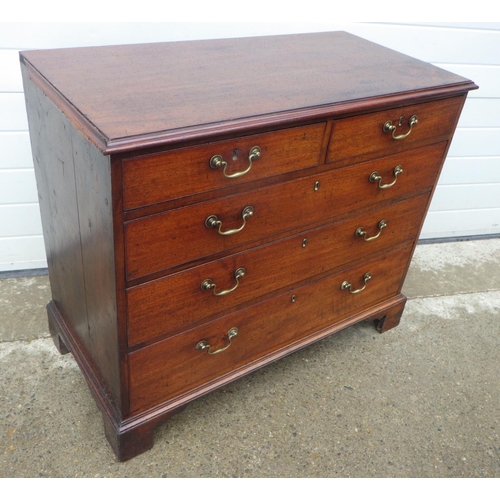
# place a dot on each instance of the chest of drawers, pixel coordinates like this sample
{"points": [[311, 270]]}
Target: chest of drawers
{"points": [[209, 207]]}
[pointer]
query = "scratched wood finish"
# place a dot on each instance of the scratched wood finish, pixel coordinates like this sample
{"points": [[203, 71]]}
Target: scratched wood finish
{"points": [[177, 301], [159, 177], [168, 239]]}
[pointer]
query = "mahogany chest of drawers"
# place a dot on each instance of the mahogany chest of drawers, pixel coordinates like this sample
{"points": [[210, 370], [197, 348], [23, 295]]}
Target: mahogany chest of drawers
{"points": [[211, 206]]}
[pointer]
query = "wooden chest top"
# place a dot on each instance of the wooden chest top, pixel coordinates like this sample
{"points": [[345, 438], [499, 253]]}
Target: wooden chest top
{"points": [[130, 96]]}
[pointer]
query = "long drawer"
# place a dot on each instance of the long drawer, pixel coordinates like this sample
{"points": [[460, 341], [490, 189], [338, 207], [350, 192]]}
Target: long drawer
{"points": [[179, 300], [367, 136], [168, 239], [159, 177], [178, 364]]}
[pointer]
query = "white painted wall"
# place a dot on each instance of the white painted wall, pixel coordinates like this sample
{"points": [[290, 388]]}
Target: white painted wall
{"points": [[467, 200]]}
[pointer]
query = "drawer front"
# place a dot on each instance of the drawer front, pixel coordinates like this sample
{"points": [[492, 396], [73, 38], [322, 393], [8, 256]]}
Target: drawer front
{"points": [[174, 366], [171, 238], [177, 301], [362, 137], [159, 177]]}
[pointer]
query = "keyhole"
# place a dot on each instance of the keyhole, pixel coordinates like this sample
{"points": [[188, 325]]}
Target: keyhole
{"points": [[235, 154], [400, 121]]}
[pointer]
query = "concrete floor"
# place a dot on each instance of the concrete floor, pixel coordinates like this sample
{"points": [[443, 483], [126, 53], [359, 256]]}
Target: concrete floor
{"points": [[422, 400]]}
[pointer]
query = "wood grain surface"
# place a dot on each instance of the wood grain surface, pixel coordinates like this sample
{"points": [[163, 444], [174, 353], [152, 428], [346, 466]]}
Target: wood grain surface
{"points": [[146, 90], [168, 239], [154, 178], [165, 369], [177, 301]]}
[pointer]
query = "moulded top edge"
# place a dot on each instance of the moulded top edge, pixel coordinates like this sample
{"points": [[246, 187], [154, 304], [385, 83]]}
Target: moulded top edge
{"points": [[278, 120], [136, 96]]}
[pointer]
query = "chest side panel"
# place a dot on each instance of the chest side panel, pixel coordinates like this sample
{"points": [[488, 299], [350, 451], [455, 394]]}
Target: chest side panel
{"points": [[74, 185]]}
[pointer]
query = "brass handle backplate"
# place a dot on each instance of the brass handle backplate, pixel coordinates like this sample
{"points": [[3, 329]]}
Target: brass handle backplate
{"points": [[217, 161], [362, 233], [347, 286], [208, 284], [203, 345], [390, 127], [213, 221], [376, 177]]}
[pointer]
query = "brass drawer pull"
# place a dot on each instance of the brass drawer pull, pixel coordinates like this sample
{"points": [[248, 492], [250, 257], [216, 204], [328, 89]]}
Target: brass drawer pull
{"points": [[375, 177], [213, 221], [362, 233], [208, 284], [347, 286], [217, 161], [203, 345], [389, 127]]}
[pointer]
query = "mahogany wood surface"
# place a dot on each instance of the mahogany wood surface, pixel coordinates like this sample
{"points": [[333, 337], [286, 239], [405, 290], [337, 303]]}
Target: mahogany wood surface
{"points": [[391, 317], [181, 85], [127, 246], [54, 171], [153, 178], [177, 301], [362, 137], [161, 241], [74, 187], [165, 369]]}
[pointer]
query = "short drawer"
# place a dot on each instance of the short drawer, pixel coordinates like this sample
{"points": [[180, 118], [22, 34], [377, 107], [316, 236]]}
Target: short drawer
{"points": [[179, 364], [363, 137], [168, 239], [154, 178], [179, 300]]}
